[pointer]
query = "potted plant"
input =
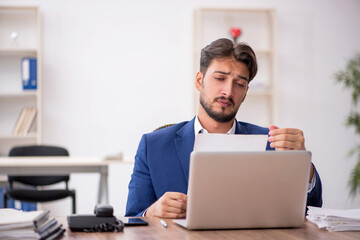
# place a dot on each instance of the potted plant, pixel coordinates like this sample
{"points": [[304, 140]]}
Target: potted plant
{"points": [[350, 79]]}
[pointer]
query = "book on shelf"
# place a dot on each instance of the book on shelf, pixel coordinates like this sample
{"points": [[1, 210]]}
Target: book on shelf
{"points": [[29, 73], [29, 120], [25, 121], [19, 121], [16, 224]]}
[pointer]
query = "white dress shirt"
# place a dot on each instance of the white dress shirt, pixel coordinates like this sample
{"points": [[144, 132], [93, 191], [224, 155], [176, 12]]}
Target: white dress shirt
{"points": [[198, 128]]}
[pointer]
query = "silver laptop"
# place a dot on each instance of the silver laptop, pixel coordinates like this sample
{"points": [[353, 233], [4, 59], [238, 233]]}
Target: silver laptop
{"points": [[232, 190]]}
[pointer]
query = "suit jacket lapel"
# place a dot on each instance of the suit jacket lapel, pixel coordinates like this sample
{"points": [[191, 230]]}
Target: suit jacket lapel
{"points": [[184, 143], [240, 129]]}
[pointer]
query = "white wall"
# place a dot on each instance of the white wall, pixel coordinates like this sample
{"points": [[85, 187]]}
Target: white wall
{"points": [[113, 70]]}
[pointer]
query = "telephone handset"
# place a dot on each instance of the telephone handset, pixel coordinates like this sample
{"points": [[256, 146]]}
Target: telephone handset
{"points": [[101, 221]]}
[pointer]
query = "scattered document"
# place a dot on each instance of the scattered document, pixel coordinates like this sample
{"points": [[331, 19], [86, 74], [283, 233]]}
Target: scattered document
{"points": [[16, 224], [335, 219], [212, 142]]}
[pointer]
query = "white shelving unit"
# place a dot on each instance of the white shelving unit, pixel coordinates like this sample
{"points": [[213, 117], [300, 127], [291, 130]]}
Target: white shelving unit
{"points": [[259, 31], [25, 23]]}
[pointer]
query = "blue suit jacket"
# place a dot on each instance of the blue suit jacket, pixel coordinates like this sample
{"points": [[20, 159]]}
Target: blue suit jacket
{"points": [[162, 165]]}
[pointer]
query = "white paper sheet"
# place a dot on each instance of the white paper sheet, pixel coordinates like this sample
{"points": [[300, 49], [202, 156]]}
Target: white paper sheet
{"points": [[212, 142], [335, 219], [13, 216]]}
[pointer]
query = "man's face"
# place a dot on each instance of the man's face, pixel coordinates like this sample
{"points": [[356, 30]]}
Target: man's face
{"points": [[223, 88]]}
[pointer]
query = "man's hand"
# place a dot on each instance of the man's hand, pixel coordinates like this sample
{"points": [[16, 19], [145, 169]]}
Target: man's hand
{"points": [[283, 139], [286, 139], [170, 205]]}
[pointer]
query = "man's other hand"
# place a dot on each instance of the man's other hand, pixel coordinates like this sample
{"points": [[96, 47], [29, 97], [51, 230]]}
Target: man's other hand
{"points": [[170, 205], [283, 139]]}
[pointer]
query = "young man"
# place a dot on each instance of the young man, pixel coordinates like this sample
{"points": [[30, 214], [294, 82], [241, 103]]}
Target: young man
{"points": [[159, 181]]}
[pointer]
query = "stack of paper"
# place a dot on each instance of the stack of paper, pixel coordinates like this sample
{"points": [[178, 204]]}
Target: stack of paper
{"points": [[15, 224], [335, 219]]}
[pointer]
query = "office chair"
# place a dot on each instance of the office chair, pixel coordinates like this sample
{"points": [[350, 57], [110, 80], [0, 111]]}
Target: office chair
{"points": [[164, 126], [37, 195]]}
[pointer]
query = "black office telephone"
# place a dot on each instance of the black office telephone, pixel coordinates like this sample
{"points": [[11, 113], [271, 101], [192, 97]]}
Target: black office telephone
{"points": [[101, 221]]}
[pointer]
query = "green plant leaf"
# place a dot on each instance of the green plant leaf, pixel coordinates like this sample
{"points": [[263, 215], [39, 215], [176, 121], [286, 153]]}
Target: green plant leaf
{"points": [[353, 120], [354, 150], [349, 77], [354, 181]]}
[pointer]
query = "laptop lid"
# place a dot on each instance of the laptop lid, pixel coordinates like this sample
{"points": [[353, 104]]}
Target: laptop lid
{"points": [[247, 189]]}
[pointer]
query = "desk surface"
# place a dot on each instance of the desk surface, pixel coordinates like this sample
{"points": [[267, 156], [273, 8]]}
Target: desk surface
{"points": [[156, 231], [51, 161], [52, 165]]}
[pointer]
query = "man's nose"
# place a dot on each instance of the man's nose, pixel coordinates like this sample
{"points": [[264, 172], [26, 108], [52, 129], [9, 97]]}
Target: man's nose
{"points": [[227, 89]]}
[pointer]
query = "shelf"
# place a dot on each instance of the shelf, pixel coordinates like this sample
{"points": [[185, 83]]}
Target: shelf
{"points": [[236, 10], [29, 93], [263, 51], [18, 51], [20, 37], [19, 8], [30, 136]]}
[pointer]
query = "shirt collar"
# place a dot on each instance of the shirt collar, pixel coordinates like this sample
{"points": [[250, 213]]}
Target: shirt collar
{"points": [[198, 128]]}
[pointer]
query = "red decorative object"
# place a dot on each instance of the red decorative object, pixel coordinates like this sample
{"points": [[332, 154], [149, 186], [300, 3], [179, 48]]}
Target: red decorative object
{"points": [[235, 33]]}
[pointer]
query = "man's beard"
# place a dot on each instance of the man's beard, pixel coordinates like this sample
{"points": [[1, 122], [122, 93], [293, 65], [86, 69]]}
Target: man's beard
{"points": [[218, 116]]}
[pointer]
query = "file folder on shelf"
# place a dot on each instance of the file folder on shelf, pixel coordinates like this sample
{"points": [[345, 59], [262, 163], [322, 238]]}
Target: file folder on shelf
{"points": [[29, 73]]}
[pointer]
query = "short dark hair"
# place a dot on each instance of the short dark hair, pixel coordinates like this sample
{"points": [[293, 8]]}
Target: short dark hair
{"points": [[224, 47]]}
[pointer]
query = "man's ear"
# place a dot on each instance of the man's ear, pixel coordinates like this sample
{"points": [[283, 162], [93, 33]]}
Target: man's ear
{"points": [[198, 80]]}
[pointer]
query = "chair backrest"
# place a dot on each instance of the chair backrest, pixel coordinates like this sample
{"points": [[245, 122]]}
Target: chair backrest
{"points": [[164, 126], [38, 150]]}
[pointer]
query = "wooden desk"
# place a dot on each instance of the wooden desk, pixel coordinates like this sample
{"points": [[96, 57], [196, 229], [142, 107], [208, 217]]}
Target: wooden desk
{"points": [[59, 165], [156, 231]]}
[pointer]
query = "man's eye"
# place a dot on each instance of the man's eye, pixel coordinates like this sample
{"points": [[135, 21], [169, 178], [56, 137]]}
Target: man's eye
{"points": [[240, 85], [220, 79]]}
